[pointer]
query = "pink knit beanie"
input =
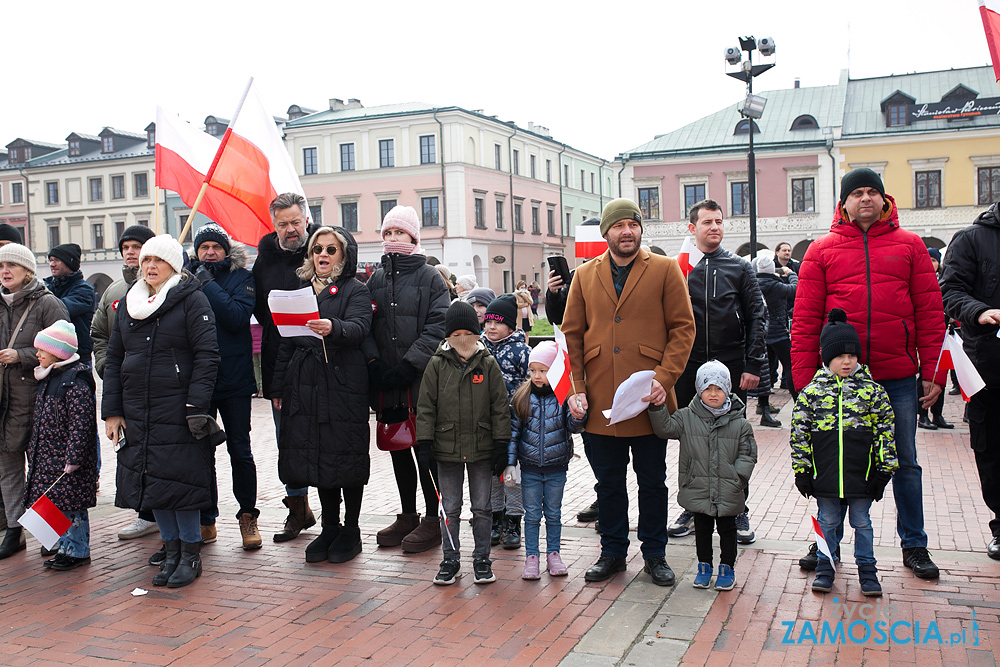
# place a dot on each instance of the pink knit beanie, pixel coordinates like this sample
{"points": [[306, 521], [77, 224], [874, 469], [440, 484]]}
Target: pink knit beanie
{"points": [[405, 218], [58, 340], [544, 353]]}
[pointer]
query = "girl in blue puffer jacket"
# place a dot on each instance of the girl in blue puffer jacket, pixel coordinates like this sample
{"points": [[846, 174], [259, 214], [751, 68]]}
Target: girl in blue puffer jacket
{"points": [[541, 440]]}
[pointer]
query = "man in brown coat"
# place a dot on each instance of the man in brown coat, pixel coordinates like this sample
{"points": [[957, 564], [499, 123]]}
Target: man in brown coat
{"points": [[627, 311]]}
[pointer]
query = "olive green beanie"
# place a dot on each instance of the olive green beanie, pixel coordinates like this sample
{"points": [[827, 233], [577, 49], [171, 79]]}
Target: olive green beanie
{"points": [[619, 209]]}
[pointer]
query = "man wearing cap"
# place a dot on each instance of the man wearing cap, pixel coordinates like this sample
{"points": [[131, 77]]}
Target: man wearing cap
{"points": [[77, 294], [220, 267], [9, 234], [627, 311], [881, 275]]}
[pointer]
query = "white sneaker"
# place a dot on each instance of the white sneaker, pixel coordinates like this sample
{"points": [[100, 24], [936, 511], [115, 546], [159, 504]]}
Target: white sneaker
{"points": [[138, 528]]}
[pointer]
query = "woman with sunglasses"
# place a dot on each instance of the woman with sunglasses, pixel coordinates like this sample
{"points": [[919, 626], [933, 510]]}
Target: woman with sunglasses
{"points": [[321, 385]]}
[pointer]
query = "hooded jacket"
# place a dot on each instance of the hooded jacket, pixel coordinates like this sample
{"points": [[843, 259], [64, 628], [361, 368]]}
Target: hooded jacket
{"points": [[81, 301], [544, 439], [325, 436], [104, 318], [777, 295], [883, 279], [512, 355]]}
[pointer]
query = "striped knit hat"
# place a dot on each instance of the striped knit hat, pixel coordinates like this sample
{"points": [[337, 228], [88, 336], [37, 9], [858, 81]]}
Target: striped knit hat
{"points": [[58, 340]]}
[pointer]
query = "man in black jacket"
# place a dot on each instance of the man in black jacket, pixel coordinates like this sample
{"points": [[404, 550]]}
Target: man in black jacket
{"points": [[279, 254], [730, 320], [220, 267], [971, 294], [77, 294]]}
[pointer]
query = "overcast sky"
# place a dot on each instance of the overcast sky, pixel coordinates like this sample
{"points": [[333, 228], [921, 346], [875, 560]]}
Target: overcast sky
{"points": [[603, 77]]}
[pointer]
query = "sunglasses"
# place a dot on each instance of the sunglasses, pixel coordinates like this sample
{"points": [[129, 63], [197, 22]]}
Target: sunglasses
{"points": [[330, 249]]}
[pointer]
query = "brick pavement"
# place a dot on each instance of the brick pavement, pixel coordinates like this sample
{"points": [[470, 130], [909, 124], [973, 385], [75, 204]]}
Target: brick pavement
{"points": [[269, 607]]}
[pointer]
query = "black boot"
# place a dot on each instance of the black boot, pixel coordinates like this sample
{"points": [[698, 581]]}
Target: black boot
{"points": [[926, 423], [941, 422], [13, 542], [346, 546], [172, 556], [512, 535], [496, 533], [767, 420], [317, 550], [189, 567]]}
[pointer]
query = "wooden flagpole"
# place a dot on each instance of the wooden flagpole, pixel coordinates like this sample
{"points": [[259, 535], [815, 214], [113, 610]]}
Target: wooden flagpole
{"points": [[156, 209], [194, 211]]}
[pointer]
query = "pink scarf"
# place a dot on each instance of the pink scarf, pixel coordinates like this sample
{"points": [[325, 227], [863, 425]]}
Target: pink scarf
{"points": [[402, 248]]}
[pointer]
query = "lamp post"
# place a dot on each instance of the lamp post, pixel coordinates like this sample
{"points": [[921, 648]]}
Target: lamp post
{"points": [[752, 108]]}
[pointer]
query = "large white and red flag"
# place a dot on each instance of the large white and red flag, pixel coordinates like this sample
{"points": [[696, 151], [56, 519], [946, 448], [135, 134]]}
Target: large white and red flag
{"points": [[689, 256], [45, 522], [953, 356], [589, 242], [559, 372], [990, 11], [291, 309], [821, 544]]}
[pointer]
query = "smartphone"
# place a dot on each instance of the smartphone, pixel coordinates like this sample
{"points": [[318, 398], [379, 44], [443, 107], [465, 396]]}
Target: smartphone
{"points": [[558, 264], [121, 438]]}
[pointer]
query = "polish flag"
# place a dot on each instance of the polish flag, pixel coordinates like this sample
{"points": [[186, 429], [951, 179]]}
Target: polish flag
{"points": [[291, 309], [990, 11], [689, 256], [45, 522], [559, 371], [821, 544], [589, 242], [953, 356]]}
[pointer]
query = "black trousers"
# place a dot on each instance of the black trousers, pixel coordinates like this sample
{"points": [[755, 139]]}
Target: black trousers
{"points": [[704, 526], [984, 430], [781, 352]]}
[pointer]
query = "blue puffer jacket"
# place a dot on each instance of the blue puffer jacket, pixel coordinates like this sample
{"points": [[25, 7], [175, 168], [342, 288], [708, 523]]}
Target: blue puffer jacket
{"points": [[544, 440]]}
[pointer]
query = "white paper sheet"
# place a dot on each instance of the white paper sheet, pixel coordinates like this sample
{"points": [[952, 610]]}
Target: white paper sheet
{"points": [[628, 397], [291, 309]]}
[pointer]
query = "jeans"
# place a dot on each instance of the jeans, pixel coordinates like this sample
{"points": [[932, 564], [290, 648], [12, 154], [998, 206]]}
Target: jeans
{"points": [[830, 515], [76, 540], [178, 525], [542, 493], [609, 459], [451, 478], [906, 483], [506, 499], [235, 414], [289, 490], [704, 526]]}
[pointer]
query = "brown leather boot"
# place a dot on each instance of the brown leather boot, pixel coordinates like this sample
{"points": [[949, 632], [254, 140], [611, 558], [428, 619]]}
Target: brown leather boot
{"points": [[425, 536], [300, 517], [392, 535]]}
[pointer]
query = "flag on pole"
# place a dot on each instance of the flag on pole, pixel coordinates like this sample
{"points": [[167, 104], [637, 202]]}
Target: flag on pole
{"points": [[990, 11], [45, 522], [589, 242], [559, 371], [291, 309], [821, 544], [953, 356], [689, 256]]}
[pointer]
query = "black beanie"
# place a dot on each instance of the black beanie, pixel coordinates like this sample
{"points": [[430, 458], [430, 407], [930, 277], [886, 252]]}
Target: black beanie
{"points": [[10, 233], [461, 315], [68, 254], [838, 337], [211, 232], [860, 178], [140, 233], [503, 309]]}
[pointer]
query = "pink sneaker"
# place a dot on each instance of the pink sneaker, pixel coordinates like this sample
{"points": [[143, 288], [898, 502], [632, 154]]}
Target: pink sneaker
{"points": [[555, 565], [531, 568]]}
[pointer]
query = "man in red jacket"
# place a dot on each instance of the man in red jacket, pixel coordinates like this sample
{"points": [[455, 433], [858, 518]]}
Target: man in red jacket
{"points": [[881, 275]]}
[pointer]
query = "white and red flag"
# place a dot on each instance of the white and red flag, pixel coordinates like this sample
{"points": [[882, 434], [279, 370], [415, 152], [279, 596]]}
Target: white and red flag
{"points": [[990, 11], [821, 544], [689, 256], [589, 242], [953, 356], [291, 309], [559, 374], [45, 522]]}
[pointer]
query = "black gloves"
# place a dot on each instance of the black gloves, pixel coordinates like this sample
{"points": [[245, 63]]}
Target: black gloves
{"points": [[425, 453], [201, 425], [401, 375], [376, 369], [499, 457], [804, 483], [877, 483], [204, 275]]}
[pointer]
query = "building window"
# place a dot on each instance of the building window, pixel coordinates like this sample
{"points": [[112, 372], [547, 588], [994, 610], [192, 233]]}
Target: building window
{"points": [[516, 162], [310, 161], [74, 148], [583, 187], [693, 194], [349, 216], [429, 208], [497, 157], [803, 195], [566, 176], [347, 157], [592, 187], [548, 171], [316, 213], [151, 137], [144, 222], [499, 214], [386, 153], [928, 189], [531, 165], [649, 203], [550, 219], [896, 115], [52, 196], [569, 223], [427, 153], [53, 236], [805, 122], [480, 214], [108, 144], [118, 187], [98, 236], [743, 127], [740, 195], [385, 206], [518, 224], [989, 185], [120, 225], [17, 193], [141, 183], [535, 222], [96, 189]]}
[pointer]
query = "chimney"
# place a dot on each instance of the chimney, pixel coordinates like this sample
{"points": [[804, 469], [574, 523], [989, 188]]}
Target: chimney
{"points": [[353, 103], [797, 82], [336, 104]]}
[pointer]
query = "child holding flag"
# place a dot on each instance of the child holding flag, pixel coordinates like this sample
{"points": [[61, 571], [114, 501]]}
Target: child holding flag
{"points": [[541, 440], [843, 452], [62, 456]]}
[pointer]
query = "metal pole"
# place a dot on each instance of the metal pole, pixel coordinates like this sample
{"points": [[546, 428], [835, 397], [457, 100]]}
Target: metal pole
{"points": [[751, 174]]}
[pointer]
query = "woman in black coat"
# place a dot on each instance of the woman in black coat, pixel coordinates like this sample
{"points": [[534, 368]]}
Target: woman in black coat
{"points": [[158, 381], [410, 299], [321, 387]]}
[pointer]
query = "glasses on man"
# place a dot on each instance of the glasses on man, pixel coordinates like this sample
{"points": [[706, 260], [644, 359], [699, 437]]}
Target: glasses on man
{"points": [[330, 249]]}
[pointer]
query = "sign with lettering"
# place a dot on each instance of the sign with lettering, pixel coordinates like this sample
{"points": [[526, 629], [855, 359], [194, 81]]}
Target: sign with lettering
{"points": [[987, 106]]}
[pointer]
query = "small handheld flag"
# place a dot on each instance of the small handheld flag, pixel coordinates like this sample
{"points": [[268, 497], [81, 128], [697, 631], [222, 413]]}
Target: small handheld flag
{"points": [[821, 542], [689, 256], [45, 522]]}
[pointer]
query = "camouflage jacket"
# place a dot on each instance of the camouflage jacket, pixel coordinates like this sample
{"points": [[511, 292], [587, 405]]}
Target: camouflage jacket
{"points": [[842, 432]]}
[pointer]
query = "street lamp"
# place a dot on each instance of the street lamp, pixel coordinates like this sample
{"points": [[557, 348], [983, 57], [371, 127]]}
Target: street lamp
{"points": [[751, 109]]}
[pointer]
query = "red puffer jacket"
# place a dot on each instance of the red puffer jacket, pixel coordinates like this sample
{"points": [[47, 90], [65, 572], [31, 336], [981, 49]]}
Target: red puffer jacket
{"points": [[884, 281]]}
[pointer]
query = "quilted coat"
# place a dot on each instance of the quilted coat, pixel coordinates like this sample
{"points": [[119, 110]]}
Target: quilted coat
{"points": [[883, 279], [104, 318], [544, 439]]}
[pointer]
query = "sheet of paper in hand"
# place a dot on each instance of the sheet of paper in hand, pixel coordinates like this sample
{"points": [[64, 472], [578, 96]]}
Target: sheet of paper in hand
{"points": [[628, 397]]}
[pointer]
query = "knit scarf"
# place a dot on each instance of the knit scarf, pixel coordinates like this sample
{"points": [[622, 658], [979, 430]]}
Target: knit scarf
{"points": [[42, 373], [402, 248], [718, 412], [141, 303], [465, 345]]}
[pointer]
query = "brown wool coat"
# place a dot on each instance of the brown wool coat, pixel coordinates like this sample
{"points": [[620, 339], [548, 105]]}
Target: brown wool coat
{"points": [[650, 328]]}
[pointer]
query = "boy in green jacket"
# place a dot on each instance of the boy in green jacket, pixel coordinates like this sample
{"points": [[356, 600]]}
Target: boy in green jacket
{"points": [[463, 423]]}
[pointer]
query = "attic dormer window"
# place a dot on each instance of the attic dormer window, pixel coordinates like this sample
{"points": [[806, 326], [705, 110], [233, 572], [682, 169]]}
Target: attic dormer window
{"points": [[108, 144], [805, 122], [74, 148], [743, 127], [895, 115], [151, 138]]}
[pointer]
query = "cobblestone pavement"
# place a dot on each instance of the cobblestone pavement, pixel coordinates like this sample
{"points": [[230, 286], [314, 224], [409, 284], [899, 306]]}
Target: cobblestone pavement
{"points": [[270, 607]]}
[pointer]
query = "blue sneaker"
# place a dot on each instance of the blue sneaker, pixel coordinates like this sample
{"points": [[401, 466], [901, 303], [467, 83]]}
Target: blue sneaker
{"points": [[725, 578], [704, 576]]}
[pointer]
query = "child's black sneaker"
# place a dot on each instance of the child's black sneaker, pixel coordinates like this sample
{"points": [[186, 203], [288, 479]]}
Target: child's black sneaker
{"points": [[447, 573], [483, 571]]}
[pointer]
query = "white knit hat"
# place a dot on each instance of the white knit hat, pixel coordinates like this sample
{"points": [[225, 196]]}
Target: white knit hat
{"points": [[166, 248], [18, 254]]}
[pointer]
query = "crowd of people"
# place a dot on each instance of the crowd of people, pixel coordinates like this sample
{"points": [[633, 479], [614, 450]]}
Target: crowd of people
{"points": [[458, 390]]}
